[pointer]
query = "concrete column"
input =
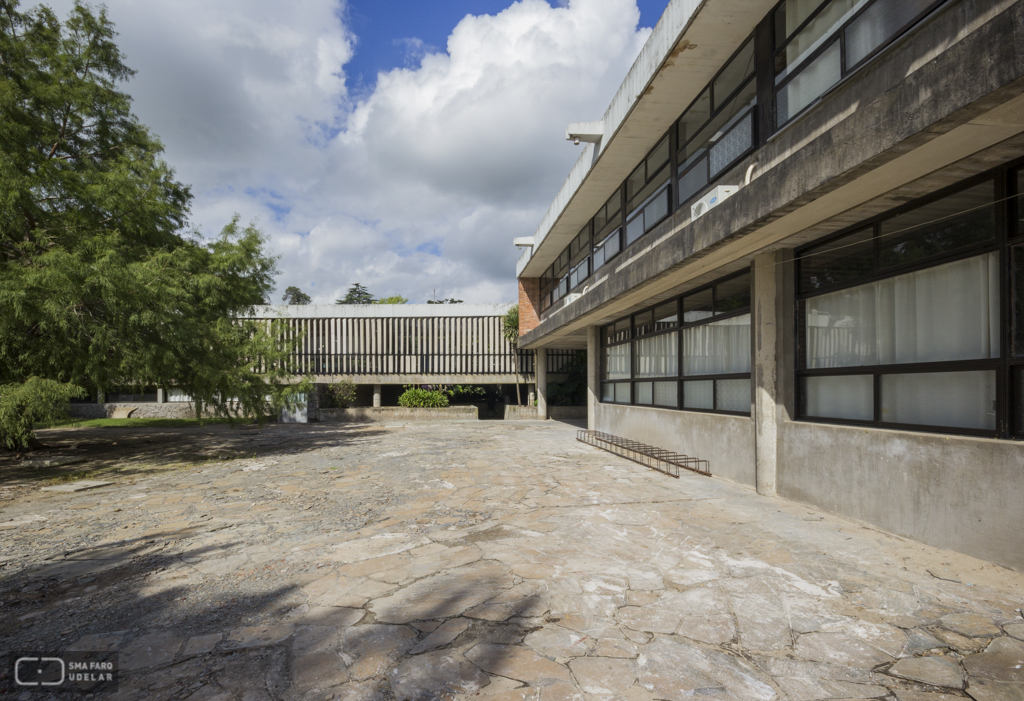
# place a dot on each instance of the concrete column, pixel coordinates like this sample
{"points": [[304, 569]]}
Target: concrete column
{"points": [[161, 396], [542, 382], [376, 396], [101, 397], [768, 374], [593, 369]]}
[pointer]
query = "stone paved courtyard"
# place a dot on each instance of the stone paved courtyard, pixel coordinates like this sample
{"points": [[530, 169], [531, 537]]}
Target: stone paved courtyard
{"points": [[483, 560]]}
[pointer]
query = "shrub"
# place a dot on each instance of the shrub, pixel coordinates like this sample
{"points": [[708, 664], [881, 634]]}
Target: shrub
{"points": [[36, 401], [342, 394], [417, 397]]}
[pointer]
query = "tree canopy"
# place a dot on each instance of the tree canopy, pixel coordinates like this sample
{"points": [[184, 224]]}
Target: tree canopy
{"points": [[101, 284], [293, 295], [449, 300], [357, 294], [393, 299]]}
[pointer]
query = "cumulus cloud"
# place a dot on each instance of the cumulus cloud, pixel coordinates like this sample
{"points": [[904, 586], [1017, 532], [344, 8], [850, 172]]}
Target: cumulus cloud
{"points": [[418, 186]]}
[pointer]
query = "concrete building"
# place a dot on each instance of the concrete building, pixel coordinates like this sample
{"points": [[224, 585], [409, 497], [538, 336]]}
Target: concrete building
{"points": [[794, 245]]}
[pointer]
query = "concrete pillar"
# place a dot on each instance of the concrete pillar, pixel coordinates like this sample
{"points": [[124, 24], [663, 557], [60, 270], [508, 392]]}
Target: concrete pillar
{"points": [[101, 397], [593, 370], [161, 396], [542, 382], [769, 376], [376, 396]]}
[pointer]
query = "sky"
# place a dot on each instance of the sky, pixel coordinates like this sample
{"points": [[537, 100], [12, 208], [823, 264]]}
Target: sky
{"points": [[394, 143]]}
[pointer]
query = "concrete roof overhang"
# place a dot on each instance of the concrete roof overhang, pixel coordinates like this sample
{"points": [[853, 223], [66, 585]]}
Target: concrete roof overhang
{"points": [[690, 43]]}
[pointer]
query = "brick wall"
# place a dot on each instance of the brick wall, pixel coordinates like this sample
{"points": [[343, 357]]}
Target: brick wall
{"points": [[529, 304]]}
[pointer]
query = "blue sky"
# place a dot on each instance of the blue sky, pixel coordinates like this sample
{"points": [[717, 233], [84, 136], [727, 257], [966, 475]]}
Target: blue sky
{"points": [[385, 27]]}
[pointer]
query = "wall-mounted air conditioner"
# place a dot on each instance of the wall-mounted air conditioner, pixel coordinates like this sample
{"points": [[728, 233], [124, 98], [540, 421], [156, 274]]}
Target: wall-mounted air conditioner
{"points": [[570, 298], [711, 200]]}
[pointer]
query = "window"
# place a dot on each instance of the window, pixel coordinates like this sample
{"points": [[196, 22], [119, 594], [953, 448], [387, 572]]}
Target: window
{"points": [[131, 394], [647, 193], [900, 318], [818, 42], [702, 363]]}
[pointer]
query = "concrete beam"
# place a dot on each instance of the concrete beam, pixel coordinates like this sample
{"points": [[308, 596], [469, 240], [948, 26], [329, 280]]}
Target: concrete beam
{"points": [[376, 311], [508, 379]]}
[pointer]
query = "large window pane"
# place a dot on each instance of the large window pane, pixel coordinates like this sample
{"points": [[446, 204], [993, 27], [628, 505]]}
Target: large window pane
{"points": [[847, 258], [1020, 201], [1017, 310], [955, 399], [693, 180], [1018, 400], [616, 362], [694, 118], [635, 182], [607, 392], [949, 312], [958, 220], [879, 22], [622, 392], [717, 348], [841, 397], [817, 31], [732, 395], [658, 157], [820, 75], [737, 141], [711, 133], [732, 295], [699, 395], [656, 210], [658, 356], [666, 316], [698, 306], [644, 393], [666, 394], [734, 73]]}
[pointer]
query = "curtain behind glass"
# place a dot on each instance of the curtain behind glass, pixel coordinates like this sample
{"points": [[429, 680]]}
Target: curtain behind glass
{"points": [[717, 348], [616, 362], [658, 356], [949, 312]]}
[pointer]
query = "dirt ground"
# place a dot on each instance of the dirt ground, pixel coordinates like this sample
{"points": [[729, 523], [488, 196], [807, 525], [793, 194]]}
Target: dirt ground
{"points": [[488, 560]]}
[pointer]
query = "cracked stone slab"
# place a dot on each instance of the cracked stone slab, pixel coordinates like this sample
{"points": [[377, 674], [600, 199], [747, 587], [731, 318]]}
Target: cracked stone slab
{"points": [[970, 625], [839, 648], [677, 672], [603, 675], [444, 595], [518, 663], [936, 671], [436, 675], [442, 635], [77, 486], [1003, 661], [150, 650]]}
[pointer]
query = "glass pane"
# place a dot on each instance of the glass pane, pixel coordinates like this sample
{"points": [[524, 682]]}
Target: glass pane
{"points": [[647, 194], [644, 393], [177, 395], [809, 84], [847, 258], [600, 219], [717, 348], [658, 356], [1020, 201], [617, 332], [694, 118], [607, 249], [1017, 308], [733, 395], [734, 73], [614, 204], [721, 122], [955, 399], [607, 392], [791, 15], [879, 22], [643, 323], [599, 258], [698, 306], [734, 144], [694, 179], [949, 312], [657, 209], [616, 362], [818, 31], [699, 395], [733, 295], [666, 316], [960, 219], [1018, 401], [666, 394], [635, 182], [842, 397], [622, 392], [635, 229], [658, 157]]}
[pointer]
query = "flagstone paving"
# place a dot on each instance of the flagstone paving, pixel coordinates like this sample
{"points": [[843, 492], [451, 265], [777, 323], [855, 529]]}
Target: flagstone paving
{"points": [[492, 561]]}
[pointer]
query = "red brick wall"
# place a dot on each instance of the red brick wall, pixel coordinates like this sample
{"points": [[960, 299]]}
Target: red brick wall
{"points": [[529, 303]]}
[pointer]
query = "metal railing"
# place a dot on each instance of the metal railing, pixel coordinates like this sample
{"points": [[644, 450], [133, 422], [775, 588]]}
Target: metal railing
{"points": [[664, 461]]}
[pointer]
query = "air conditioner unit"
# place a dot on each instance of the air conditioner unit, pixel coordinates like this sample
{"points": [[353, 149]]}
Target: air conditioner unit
{"points": [[711, 200], [569, 299]]}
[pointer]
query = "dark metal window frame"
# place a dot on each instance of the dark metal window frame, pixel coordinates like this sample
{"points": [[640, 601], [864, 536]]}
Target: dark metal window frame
{"points": [[1004, 203], [679, 378], [838, 35]]}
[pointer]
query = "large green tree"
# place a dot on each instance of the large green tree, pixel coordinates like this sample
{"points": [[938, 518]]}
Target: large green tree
{"points": [[357, 294], [101, 284]]}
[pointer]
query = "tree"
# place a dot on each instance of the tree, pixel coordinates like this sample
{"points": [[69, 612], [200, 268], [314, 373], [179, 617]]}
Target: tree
{"points": [[357, 294], [450, 300], [100, 285], [510, 332], [393, 299], [293, 295]]}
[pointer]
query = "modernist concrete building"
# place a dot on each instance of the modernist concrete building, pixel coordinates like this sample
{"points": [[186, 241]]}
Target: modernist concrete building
{"points": [[793, 245]]}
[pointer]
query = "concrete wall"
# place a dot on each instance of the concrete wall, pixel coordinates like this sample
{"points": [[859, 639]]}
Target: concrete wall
{"points": [[530, 413], [143, 410], [398, 413], [965, 494], [727, 442]]}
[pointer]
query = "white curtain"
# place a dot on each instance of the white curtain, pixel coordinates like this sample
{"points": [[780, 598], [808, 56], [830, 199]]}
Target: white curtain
{"points": [[616, 362], [957, 399], [718, 347], [949, 312], [658, 356], [840, 397]]}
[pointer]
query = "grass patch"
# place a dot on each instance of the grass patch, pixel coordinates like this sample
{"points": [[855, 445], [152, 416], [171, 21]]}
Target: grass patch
{"points": [[142, 423]]}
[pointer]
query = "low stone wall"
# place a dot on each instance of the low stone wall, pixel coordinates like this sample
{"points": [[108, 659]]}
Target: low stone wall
{"points": [[399, 413], [563, 413], [515, 412], [143, 410]]}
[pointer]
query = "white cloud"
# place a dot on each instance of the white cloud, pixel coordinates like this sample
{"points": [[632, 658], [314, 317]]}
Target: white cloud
{"points": [[419, 186]]}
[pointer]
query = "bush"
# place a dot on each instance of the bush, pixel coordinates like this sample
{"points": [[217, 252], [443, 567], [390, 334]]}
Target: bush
{"points": [[36, 401], [342, 394], [465, 393], [418, 398]]}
